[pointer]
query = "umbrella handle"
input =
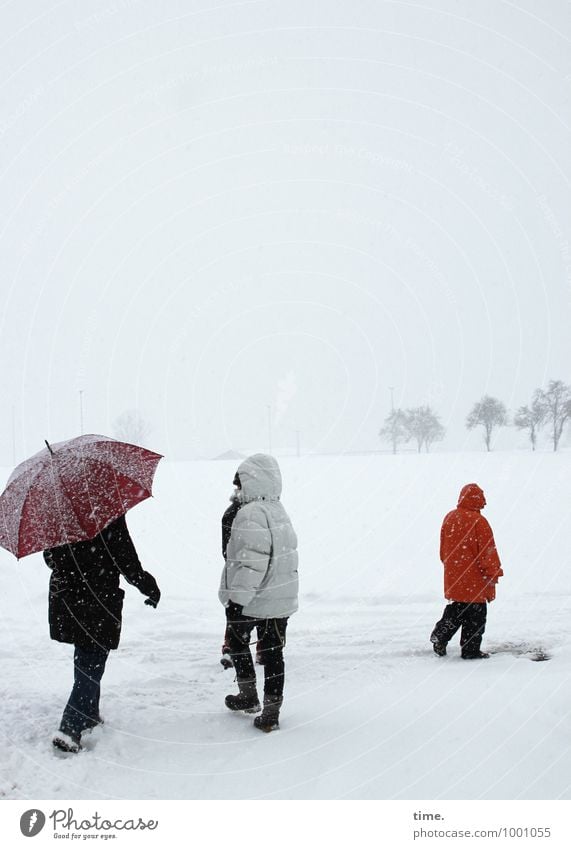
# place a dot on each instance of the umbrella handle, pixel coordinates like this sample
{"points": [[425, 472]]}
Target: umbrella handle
{"points": [[49, 447]]}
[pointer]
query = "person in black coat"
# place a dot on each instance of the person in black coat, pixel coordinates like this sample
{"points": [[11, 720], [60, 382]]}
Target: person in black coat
{"points": [[85, 606], [227, 522]]}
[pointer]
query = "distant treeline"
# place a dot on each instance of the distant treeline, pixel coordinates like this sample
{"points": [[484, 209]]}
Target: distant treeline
{"points": [[549, 408]]}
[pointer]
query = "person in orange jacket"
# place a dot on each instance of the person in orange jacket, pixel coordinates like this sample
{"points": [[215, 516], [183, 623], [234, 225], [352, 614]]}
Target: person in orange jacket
{"points": [[472, 569]]}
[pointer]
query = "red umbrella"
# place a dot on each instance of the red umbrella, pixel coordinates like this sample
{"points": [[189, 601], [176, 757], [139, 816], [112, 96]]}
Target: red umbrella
{"points": [[71, 490]]}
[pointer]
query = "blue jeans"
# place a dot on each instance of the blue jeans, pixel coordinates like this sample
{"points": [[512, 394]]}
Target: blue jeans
{"points": [[82, 709]]}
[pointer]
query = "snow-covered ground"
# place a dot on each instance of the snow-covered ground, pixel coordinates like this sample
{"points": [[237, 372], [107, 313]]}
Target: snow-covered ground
{"points": [[370, 712]]}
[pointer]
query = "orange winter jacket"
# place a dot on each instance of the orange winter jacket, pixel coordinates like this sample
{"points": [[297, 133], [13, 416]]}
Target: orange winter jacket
{"points": [[468, 551]]}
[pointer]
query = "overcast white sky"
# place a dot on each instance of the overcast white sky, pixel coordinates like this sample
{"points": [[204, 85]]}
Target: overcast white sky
{"points": [[209, 209]]}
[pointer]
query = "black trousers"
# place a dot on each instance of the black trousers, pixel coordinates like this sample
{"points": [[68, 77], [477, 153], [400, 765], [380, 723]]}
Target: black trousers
{"points": [[470, 617], [271, 643]]}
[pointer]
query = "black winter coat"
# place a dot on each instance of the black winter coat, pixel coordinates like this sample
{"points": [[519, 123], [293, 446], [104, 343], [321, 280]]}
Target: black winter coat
{"points": [[227, 522], [86, 601]]}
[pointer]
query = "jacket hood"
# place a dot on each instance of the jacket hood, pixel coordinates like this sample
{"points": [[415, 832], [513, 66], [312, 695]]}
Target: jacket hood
{"points": [[471, 497], [260, 478]]}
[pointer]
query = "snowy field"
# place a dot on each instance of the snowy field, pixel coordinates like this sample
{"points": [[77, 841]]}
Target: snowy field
{"points": [[369, 711]]}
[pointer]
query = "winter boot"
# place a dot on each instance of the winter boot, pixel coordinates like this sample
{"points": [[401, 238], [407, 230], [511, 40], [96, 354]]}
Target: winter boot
{"points": [[438, 647], [94, 723], [269, 719], [480, 655], [70, 743], [246, 700]]}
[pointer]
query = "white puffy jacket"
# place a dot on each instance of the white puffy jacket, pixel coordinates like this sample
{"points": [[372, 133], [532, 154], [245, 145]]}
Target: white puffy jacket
{"points": [[261, 560]]}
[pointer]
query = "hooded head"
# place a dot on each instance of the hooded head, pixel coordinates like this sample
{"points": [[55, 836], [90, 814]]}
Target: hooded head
{"points": [[471, 497], [260, 477]]}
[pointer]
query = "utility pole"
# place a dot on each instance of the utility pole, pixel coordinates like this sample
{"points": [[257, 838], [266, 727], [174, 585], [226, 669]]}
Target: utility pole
{"points": [[81, 412], [391, 390], [298, 443], [269, 406]]}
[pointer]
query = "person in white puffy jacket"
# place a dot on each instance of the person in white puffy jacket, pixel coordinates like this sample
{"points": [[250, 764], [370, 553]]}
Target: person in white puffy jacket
{"points": [[259, 586]]}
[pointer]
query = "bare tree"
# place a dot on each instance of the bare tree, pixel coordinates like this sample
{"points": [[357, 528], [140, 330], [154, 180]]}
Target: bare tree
{"points": [[424, 426], [531, 418], [490, 413], [395, 429], [556, 405], [131, 427]]}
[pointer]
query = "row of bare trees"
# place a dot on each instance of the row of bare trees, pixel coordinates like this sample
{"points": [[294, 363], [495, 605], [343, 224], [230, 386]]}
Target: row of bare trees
{"points": [[420, 424], [549, 408]]}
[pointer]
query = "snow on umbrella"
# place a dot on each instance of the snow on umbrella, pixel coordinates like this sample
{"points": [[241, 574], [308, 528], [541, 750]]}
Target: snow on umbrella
{"points": [[71, 490]]}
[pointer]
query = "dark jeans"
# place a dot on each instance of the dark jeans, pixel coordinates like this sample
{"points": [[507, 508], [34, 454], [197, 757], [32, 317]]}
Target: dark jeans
{"points": [[271, 642], [470, 617], [82, 709]]}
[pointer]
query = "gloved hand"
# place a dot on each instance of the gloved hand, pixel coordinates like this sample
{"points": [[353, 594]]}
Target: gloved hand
{"points": [[154, 598]]}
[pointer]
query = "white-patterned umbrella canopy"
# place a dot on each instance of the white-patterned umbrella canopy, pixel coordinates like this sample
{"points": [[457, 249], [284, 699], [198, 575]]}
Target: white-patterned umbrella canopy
{"points": [[71, 490]]}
